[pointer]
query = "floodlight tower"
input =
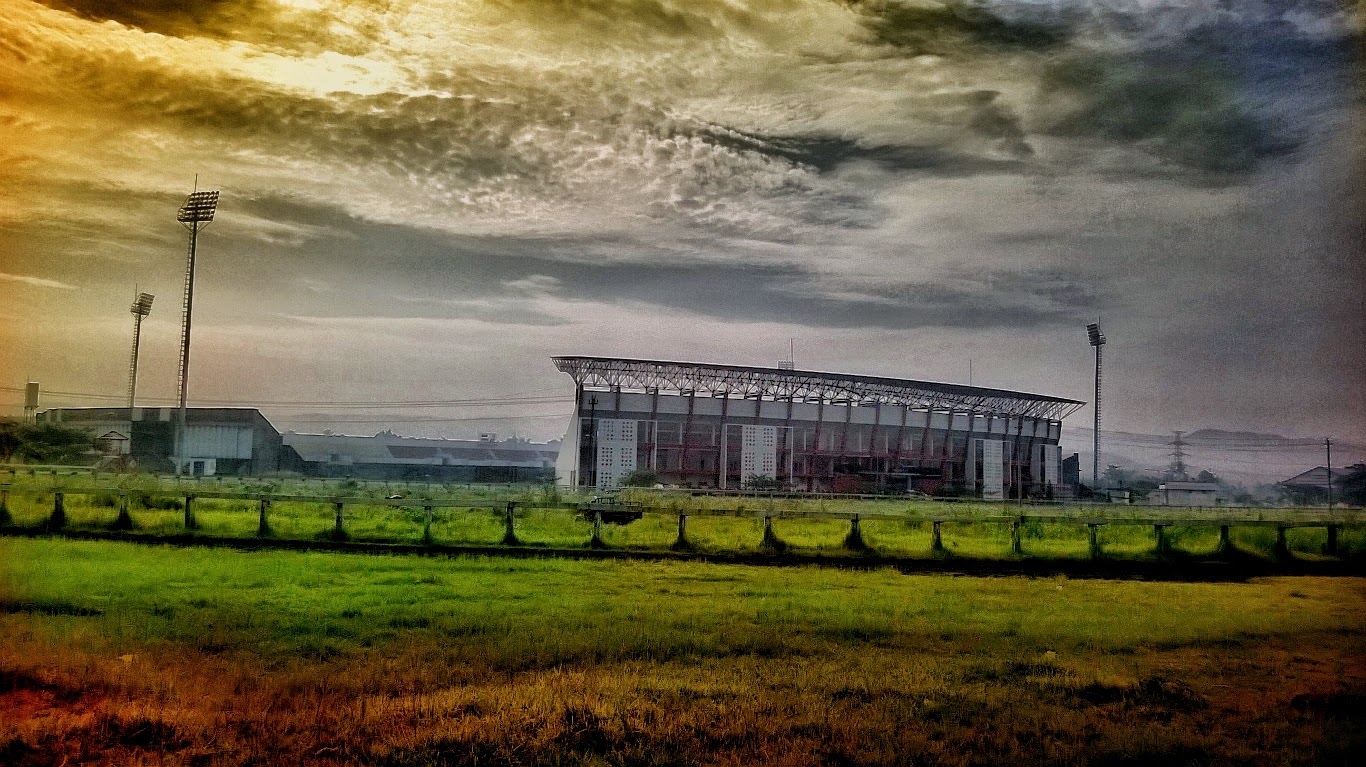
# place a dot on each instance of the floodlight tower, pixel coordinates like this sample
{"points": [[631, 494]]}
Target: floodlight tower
{"points": [[195, 214], [1097, 339], [140, 308]]}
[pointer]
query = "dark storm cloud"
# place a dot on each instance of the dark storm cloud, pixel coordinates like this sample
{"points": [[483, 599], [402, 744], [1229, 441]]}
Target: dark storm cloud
{"points": [[962, 28], [1219, 100], [1189, 113], [397, 271], [261, 22], [978, 112]]}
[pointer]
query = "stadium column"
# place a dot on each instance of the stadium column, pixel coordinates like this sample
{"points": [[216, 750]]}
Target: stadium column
{"points": [[813, 459], [654, 428], [925, 435], [894, 455], [686, 437], [724, 459], [1015, 461], [844, 433], [945, 460], [968, 453], [1033, 455], [878, 469], [791, 440]]}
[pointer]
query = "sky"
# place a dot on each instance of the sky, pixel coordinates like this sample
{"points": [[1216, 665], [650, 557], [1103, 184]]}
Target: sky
{"points": [[423, 201]]}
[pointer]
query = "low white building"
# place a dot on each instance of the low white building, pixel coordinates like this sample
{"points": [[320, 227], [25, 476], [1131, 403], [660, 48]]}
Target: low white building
{"points": [[1185, 494]]}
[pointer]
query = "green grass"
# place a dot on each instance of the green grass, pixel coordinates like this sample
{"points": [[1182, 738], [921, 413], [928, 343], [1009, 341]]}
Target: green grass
{"points": [[549, 611], [116, 653]]}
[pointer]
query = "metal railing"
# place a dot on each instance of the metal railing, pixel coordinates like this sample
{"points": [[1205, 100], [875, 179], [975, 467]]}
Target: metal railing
{"points": [[1159, 518]]}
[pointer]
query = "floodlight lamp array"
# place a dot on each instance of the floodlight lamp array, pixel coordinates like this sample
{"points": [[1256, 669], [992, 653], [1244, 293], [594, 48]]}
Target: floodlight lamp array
{"points": [[143, 306], [198, 208], [1093, 333]]}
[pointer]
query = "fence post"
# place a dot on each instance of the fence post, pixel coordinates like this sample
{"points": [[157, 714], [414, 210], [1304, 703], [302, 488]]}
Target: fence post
{"points": [[682, 542], [263, 529], [1015, 547], [5, 518], [854, 540], [427, 524], [1163, 546], [596, 540], [1330, 547], [58, 519], [1282, 548], [124, 520], [509, 536], [1225, 544], [771, 541], [1093, 539], [936, 537], [338, 531], [190, 523]]}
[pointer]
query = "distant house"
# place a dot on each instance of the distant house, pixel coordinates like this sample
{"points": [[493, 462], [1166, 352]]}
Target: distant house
{"points": [[1119, 495], [1311, 487], [1185, 494]]}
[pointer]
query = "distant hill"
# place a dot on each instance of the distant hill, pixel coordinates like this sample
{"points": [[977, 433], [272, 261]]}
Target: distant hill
{"points": [[1220, 434]]}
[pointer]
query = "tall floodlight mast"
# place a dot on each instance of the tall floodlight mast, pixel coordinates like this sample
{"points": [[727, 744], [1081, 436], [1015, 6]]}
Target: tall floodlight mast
{"points": [[140, 308], [195, 214], [1097, 339]]}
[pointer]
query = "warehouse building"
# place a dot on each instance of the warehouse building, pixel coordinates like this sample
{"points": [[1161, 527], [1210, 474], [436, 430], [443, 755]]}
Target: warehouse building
{"points": [[242, 442], [390, 456], [1185, 494], [727, 426], [219, 440]]}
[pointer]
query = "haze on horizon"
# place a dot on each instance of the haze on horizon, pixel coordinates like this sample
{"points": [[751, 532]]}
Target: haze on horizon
{"points": [[424, 201]]}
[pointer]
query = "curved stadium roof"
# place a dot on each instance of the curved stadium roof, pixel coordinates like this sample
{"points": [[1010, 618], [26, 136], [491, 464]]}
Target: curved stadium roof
{"points": [[806, 386]]}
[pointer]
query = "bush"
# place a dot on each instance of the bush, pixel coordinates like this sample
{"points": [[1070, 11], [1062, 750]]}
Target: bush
{"points": [[159, 504], [640, 478], [44, 442], [756, 482]]}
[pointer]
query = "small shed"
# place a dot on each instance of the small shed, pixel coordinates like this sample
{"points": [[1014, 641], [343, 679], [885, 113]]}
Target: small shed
{"points": [[1185, 494]]}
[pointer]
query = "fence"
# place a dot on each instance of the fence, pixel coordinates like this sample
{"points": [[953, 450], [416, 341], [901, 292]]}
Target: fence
{"points": [[1160, 518]]}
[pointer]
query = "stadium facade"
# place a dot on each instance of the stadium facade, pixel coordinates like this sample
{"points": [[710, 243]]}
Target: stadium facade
{"points": [[728, 427]]}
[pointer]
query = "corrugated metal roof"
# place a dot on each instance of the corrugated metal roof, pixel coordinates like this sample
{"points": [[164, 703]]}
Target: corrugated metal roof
{"points": [[806, 386], [393, 449]]}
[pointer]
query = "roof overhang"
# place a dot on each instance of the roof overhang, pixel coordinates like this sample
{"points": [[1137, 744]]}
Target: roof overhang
{"points": [[806, 386]]}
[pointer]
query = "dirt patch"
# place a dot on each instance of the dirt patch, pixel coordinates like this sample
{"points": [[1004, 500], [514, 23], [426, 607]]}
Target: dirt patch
{"points": [[47, 608], [1332, 705]]}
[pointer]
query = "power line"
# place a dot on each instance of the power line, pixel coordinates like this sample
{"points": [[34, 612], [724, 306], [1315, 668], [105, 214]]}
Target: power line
{"points": [[467, 419], [331, 404]]}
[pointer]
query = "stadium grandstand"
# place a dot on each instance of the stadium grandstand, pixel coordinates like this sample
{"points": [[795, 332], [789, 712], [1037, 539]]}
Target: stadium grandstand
{"points": [[732, 427]]}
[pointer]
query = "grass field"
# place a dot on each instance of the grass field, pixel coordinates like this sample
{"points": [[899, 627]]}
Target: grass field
{"points": [[122, 654]]}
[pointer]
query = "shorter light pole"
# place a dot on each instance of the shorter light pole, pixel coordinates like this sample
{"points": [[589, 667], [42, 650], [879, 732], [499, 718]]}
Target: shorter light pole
{"points": [[140, 308], [1097, 340], [1328, 446]]}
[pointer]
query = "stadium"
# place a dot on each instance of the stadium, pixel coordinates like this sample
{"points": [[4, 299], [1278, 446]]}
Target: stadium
{"points": [[732, 427]]}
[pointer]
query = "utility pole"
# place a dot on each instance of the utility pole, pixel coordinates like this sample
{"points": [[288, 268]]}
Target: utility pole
{"points": [[1328, 446], [1178, 466]]}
